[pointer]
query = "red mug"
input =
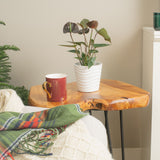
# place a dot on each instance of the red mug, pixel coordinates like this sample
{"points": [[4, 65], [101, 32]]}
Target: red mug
{"points": [[55, 87]]}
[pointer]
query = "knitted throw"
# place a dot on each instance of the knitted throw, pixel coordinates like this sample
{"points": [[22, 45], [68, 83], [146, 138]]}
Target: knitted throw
{"points": [[16, 127]]}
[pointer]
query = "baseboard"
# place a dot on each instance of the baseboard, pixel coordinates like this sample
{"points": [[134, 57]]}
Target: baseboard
{"points": [[130, 154]]}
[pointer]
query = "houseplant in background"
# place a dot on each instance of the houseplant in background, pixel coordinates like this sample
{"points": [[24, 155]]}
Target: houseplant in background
{"points": [[87, 70], [5, 68]]}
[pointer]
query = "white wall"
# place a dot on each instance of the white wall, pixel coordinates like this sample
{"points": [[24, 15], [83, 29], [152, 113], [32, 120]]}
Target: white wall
{"points": [[35, 26]]}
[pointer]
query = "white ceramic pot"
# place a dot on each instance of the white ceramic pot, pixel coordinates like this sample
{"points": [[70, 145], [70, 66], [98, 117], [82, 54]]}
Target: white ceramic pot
{"points": [[88, 80]]}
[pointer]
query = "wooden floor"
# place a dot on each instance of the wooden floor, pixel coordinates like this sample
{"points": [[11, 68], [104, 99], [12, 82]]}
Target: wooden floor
{"points": [[130, 154]]}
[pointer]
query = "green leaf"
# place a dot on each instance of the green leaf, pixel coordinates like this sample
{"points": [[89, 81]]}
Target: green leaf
{"points": [[91, 62], [91, 41], [79, 58], [83, 55], [74, 51], [104, 34], [68, 45], [3, 56], [84, 22], [9, 47], [77, 43], [93, 59], [93, 51], [1, 22], [100, 45]]}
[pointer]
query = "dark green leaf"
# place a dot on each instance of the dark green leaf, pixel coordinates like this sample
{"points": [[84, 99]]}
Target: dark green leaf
{"points": [[100, 45], [68, 45], [91, 62], [1, 22], [84, 60], [74, 51], [87, 58], [83, 55], [9, 47], [78, 58], [93, 51], [92, 42], [84, 22], [93, 59], [3, 57], [104, 34]]}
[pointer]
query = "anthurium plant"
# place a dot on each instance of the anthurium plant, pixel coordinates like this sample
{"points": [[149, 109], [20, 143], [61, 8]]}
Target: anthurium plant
{"points": [[87, 49]]}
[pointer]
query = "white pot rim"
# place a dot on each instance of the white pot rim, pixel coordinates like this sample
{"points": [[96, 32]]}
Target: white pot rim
{"points": [[78, 64]]}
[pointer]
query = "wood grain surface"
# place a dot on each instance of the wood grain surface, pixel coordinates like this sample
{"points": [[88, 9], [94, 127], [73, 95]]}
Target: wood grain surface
{"points": [[112, 95]]}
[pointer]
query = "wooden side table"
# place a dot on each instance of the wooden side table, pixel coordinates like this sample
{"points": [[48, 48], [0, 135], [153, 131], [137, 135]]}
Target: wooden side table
{"points": [[112, 95]]}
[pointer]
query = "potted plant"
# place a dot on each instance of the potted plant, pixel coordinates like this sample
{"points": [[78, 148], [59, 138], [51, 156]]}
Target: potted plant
{"points": [[88, 71]]}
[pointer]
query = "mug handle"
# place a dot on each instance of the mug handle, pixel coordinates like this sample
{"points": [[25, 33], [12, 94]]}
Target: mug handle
{"points": [[45, 88]]}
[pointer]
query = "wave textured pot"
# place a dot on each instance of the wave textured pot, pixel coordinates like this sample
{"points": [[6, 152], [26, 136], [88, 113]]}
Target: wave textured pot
{"points": [[88, 80]]}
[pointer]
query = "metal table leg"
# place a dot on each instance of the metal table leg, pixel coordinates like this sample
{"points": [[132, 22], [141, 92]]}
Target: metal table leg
{"points": [[107, 129], [122, 138], [108, 132], [90, 112]]}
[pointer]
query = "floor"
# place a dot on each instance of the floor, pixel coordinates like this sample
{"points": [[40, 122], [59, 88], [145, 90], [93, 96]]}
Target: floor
{"points": [[130, 154]]}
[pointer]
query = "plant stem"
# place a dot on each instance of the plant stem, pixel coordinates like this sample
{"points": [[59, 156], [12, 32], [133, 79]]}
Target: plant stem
{"points": [[71, 37], [85, 39], [75, 48], [95, 35], [94, 42], [81, 48], [90, 39]]}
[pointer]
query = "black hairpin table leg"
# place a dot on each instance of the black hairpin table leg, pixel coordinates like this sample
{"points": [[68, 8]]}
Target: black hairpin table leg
{"points": [[107, 129], [90, 112], [122, 138]]}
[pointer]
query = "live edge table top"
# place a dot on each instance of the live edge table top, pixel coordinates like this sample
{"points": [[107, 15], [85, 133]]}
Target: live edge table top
{"points": [[112, 95]]}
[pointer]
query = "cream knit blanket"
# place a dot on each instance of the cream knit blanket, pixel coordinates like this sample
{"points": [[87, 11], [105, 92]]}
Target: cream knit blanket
{"points": [[10, 101], [75, 143]]}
